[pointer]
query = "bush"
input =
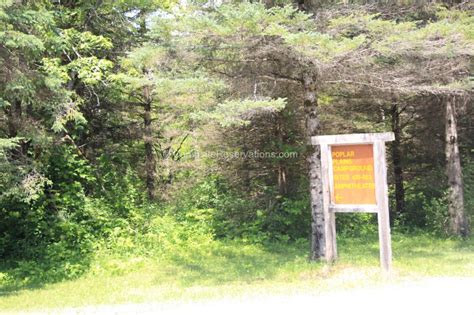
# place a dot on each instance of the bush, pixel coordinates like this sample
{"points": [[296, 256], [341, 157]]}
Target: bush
{"points": [[436, 215], [356, 224], [228, 214], [51, 237], [163, 237], [289, 220]]}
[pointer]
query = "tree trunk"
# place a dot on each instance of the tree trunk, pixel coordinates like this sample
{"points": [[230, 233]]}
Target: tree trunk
{"points": [[14, 118], [150, 161], [15, 122], [458, 224], [397, 163], [282, 182], [281, 168], [318, 241]]}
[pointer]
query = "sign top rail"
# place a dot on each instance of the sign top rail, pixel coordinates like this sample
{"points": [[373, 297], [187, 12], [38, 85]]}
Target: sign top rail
{"points": [[354, 138]]}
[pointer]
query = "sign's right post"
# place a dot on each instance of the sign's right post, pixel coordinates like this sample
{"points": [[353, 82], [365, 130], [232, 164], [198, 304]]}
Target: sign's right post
{"points": [[381, 190]]}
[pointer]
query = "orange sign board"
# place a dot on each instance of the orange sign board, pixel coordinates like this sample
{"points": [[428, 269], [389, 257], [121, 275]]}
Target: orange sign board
{"points": [[353, 174]]}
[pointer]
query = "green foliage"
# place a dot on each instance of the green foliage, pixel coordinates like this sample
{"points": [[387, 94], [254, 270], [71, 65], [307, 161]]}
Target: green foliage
{"points": [[76, 76], [85, 43], [356, 224], [56, 76], [47, 230], [290, 220], [396, 37], [324, 47], [118, 190], [426, 208], [232, 112], [220, 210], [249, 19], [91, 70], [8, 144], [437, 218], [17, 40], [55, 68]]}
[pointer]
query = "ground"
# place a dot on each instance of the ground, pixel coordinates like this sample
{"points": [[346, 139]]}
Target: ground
{"points": [[427, 296], [430, 276]]}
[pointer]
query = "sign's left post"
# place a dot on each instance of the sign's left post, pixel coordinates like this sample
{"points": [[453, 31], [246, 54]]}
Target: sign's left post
{"points": [[329, 216]]}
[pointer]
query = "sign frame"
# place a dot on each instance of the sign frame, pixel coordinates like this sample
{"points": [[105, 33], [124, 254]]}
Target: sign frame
{"points": [[377, 140]]}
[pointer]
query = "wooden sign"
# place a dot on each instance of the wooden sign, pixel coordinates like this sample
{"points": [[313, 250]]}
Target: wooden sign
{"points": [[354, 178], [353, 174]]}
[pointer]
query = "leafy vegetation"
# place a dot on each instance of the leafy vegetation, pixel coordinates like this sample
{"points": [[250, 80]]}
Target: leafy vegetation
{"points": [[221, 268], [152, 137]]}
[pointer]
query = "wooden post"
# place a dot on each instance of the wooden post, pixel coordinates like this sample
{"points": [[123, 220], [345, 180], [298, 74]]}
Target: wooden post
{"points": [[329, 217], [381, 190]]}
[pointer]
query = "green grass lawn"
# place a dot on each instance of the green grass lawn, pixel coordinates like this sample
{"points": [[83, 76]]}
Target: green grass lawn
{"points": [[232, 269]]}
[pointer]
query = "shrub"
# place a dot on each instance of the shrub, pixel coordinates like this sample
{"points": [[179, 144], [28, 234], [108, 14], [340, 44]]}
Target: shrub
{"points": [[436, 215], [356, 224]]}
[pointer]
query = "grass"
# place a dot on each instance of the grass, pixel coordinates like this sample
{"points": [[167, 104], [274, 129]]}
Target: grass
{"points": [[232, 269]]}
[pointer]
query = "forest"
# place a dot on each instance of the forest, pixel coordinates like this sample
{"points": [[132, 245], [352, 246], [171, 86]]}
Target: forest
{"points": [[168, 136]]}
